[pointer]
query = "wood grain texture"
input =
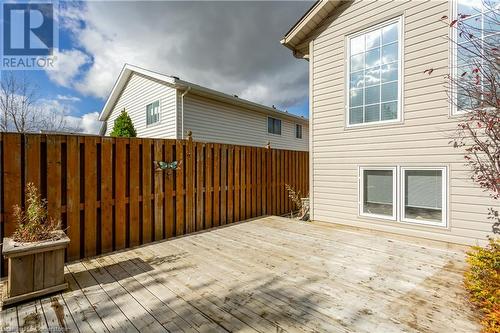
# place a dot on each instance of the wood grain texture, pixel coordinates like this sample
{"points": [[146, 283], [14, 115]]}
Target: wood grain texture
{"points": [[169, 191], [108, 195], [90, 196], [73, 198], [158, 192], [120, 193], [134, 191], [265, 275], [147, 167]]}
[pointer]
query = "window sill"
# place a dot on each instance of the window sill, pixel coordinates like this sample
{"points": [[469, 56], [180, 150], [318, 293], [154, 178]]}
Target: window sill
{"points": [[392, 123]]}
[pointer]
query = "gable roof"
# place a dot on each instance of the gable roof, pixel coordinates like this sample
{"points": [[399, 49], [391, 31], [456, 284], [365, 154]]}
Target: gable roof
{"points": [[177, 83], [312, 19]]}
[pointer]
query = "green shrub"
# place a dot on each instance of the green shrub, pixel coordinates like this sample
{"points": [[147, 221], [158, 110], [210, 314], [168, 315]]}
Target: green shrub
{"points": [[123, 126], [482, 280]]}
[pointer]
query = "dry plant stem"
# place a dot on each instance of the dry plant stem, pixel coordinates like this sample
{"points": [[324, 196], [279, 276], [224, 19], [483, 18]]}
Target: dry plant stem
{"points": [[34, 224]]}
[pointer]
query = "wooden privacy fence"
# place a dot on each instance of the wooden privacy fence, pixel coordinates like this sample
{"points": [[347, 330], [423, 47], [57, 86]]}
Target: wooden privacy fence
{"points": [[109, 196]]}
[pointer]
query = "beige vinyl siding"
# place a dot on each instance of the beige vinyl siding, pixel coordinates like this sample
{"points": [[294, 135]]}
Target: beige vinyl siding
{"points": [[421, 139], [214, 121], [139, 92]]}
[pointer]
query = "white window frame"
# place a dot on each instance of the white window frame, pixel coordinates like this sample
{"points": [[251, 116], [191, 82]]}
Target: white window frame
{"points": [[361, 195], [301, 132], [399, 117], [398, 195], [444, 194], [281, 126], [159, 113]]}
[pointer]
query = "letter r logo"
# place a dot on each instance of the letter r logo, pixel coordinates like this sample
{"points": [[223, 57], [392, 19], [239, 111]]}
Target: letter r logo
{"points": [[28, 29]]}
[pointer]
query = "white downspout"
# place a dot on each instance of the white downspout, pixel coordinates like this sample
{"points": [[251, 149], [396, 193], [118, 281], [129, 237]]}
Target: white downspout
{"points": [[182, 111]]}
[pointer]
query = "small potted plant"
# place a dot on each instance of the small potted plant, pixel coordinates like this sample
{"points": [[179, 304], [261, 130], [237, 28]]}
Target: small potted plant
{"points": [[35, 252]]}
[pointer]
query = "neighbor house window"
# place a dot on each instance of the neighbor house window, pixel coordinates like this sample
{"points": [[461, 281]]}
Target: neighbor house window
{"points": [[273, 125], [298, 131], [404, 194], [482, 24], [374, 74], [153, 113], [378, 192], [423, 195]]}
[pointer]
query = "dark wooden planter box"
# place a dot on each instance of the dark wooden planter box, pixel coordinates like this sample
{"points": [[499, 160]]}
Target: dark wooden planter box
{"points": [[35, 269]]}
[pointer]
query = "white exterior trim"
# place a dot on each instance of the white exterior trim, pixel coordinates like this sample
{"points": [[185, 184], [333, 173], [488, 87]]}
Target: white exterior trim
{"points": [[395, 188], [444, 196], [311, 126]]}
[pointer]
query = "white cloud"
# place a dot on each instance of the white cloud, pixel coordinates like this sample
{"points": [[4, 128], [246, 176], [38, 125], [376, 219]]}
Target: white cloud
{"points": [[68, 98], [90, 123], [229, 46], [57, 117], [67, 67]]}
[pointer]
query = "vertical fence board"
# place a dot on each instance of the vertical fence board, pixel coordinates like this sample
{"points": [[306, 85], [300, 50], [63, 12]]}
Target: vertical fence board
{"points": [[54, 176], [134, 181], [158, 192], [254, 181], [146, 191], [248, 183], [11, 180], [263, 188], [32, 160], [179, 189], [243, 165], [236, 214], [73, 197], [216, 202], [90, 194], [190, 183], [223, 184], [169, 189], [106, 195], [208, 185], [120, 193], [200, 161], [230, 185]]}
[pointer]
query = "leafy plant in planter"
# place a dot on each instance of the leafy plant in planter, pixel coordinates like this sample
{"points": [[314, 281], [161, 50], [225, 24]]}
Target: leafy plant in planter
{"points": [[35, 252]]}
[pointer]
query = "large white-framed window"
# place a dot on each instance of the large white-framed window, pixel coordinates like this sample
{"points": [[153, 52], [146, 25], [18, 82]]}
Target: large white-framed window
{"points": [[152, 113], [405, 194], [377, 192], [374, 74], [424, 195], [467, 52]]}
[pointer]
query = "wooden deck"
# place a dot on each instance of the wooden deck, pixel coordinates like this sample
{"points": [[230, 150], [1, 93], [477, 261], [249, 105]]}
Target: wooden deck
{"points": [[265, 275]]}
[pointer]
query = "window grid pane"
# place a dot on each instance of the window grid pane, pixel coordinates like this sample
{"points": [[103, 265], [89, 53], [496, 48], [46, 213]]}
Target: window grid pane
{"points": [[369, 70], [480, 20]]}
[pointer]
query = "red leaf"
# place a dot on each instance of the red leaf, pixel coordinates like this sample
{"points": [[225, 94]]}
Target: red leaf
{"points": [[429, 71], [453, 23], [444, 17]]}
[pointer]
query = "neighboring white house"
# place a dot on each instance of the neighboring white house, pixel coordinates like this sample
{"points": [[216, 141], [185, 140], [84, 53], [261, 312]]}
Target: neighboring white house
{"points": [[380, 126], [162, 106]]}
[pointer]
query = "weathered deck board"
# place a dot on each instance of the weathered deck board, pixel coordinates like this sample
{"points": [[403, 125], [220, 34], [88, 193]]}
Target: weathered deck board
{"points": [[266, 275]]}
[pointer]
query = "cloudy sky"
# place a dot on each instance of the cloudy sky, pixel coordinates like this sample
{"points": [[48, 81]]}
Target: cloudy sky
{"points": [[229, 46]]}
